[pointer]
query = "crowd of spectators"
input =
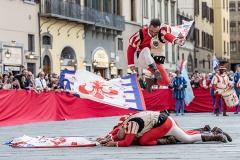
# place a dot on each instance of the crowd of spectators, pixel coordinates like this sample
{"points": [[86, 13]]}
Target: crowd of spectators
{"points": [[27, 81], [197, 80]]}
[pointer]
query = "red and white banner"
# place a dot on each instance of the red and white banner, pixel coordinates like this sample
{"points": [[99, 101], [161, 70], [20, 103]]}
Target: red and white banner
{"points": [[121, 92], [182, 30]]}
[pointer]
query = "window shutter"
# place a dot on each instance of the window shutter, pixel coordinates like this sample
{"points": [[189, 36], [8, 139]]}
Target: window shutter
{"points": [[197, 37], [212, 43], [192, 37], [196, 7], [208, 13], [203, 39], [204, 9], [211, 15]]}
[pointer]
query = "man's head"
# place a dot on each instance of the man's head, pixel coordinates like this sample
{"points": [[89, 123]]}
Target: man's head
{"points": [[25, 72], [237, 67], [29, 76], [178, 73], [41, 75], [54, 75], [216, 69], [121, 134], [222, 69], [143, 75], [196, 79], [154, 26]]}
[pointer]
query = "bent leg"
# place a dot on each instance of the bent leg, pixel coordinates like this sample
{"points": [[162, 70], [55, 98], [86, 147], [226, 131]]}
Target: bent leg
{"points": [[165, 78], [150, 138], [145, 59]]}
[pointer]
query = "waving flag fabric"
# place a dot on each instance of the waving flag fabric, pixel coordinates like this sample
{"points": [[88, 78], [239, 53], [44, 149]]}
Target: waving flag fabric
{"points": [[188, 91], [215, 62], [121, 92], [183, 30]]}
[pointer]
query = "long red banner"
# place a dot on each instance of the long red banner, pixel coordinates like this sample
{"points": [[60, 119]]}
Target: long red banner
{"points": [[21, 107]]}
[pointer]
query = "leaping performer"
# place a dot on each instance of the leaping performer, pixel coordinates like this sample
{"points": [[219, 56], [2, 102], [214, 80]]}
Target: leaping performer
{"points": [[148, 128], [149, 42]]}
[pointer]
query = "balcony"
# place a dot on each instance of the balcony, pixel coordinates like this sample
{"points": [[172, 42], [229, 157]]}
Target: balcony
{"points": [[81, 14]]}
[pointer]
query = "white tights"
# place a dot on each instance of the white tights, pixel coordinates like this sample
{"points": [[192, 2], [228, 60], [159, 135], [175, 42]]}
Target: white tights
{"points": [[182, 136], [145, 58]]}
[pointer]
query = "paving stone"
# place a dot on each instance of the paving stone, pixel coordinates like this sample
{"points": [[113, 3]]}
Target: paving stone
{"points": [[95, 127]]}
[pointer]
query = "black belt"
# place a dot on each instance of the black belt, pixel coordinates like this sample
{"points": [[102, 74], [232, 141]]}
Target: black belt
{"points": [[158, 59], [161, 119]]}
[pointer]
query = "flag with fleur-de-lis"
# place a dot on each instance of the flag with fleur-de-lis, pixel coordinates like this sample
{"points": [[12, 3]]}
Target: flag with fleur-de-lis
{"points": [[120, 92]]}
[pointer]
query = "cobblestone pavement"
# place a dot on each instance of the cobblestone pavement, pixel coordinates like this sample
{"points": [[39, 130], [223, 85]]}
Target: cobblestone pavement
{"points": [[96, 127]]}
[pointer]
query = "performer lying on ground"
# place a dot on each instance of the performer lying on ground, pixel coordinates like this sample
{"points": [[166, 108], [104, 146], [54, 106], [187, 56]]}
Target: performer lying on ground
{"points": [[148, 128], [149, 43]]}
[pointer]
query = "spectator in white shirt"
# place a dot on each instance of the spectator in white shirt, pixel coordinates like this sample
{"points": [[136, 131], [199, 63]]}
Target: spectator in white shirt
{"points": [[40, 82]]}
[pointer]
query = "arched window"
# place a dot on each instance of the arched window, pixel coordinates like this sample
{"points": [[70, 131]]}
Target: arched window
{"points": [[46, 40], [68, 53]]}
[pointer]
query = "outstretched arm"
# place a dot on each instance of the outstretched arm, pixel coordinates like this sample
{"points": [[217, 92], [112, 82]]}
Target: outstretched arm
{"points": [[134, 42], [166, 35]]}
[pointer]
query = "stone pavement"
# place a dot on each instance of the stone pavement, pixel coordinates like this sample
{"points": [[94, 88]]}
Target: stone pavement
{"points": [[96, 127]]}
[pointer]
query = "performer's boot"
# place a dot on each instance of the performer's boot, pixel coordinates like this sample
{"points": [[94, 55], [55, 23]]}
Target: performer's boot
{"points": [[155, 71], [150, 82], [217, 138], [225, 112], [217, 112], [168, 140], [204, 129], [217, 130]]}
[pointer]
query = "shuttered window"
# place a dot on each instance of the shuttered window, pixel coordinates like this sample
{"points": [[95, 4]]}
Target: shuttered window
{"points": [[196, 7], [203, 39], [204, 9], [211, 15]]}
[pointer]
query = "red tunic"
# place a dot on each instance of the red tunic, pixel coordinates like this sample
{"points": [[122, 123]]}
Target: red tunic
{"points": [[134, 42]]}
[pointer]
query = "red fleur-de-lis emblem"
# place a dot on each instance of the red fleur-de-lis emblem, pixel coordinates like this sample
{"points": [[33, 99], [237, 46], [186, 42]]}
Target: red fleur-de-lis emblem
{"points": [[97, 90]]}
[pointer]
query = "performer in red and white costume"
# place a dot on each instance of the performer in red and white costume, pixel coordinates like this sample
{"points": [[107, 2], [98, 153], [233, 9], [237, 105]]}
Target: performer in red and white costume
{"points": [[149, 127], [149, 43], [220, 82]]}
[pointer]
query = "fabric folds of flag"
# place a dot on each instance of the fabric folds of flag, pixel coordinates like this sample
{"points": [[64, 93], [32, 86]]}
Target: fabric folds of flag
{"points": [[184, 30], [189, 96], [215, 62], [121, 92]]}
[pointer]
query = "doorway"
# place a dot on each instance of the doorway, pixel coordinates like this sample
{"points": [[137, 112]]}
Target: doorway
{"points": [[46, 65], [102, 71]]}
